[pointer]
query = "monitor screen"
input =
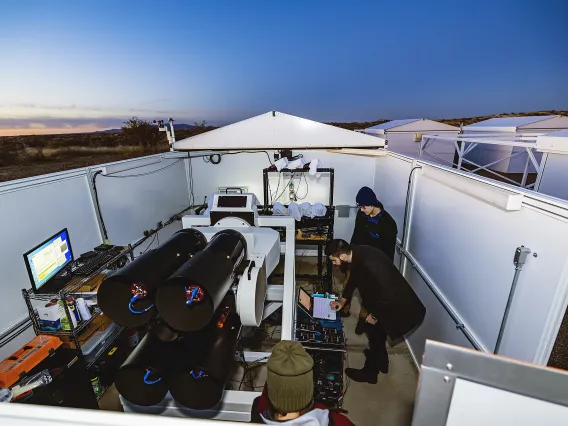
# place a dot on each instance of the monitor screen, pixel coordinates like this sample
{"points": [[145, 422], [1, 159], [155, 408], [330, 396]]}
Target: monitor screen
{"points": [[49, 258], [232, 201], [305, 300]]}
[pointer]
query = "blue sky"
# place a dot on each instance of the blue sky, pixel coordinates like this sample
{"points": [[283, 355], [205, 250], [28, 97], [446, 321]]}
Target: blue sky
{"points": [[82, 65]]}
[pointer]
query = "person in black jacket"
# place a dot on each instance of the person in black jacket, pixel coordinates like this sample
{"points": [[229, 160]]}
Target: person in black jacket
{"points": [[393, 308], [374, 227]]}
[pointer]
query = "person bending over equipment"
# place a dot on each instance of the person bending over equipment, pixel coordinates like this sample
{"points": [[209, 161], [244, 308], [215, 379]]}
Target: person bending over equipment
{"points": [[288, 396], [394, 309]]}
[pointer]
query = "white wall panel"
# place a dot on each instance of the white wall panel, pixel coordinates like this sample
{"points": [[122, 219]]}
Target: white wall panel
{"points": [[131, 205], [351, 173], [391, 183], [438, 324], [466, 246], [32, 210]]}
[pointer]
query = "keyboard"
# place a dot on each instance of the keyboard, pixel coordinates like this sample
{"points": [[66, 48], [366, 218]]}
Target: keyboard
{"points": [[95, 263], [322, 308]]}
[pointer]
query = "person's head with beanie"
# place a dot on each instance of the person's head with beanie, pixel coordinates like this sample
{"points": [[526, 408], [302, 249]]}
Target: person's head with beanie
{"points": [[290, 382], [367, 201]]}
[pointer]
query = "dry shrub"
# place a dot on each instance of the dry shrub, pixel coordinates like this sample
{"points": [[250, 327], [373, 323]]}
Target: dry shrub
{"points": [[85, 151]]}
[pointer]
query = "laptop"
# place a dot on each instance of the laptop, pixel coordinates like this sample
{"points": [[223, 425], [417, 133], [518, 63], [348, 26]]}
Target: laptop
{"points": [[316, 307]]}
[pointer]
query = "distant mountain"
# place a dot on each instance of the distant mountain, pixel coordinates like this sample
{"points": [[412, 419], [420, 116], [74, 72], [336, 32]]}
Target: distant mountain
{"points": [[109, 131], [180, 126]]}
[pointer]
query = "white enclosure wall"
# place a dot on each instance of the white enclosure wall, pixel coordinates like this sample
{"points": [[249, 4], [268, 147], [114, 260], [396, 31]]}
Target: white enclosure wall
{"points": [[351, 173], [137, 194], [33, 209], [462, 245], [465, 247]]}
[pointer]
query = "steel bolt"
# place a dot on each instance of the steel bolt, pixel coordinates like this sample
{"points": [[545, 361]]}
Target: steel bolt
{"points": [[449, 367], [447, 379], [535, 254]]}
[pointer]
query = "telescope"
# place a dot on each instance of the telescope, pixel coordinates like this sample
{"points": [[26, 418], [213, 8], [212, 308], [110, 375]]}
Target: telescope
{"points": [[201, 286], [128, 296], [198, 381], [190, 297], [142, 377]]}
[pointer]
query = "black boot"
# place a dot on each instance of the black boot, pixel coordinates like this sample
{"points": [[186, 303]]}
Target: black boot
{"points": [[360, 328], [362, 376], [383, 369]]}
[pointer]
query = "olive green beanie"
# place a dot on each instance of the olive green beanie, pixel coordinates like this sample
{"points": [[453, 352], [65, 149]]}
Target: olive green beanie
{"points": [[290, 377]]}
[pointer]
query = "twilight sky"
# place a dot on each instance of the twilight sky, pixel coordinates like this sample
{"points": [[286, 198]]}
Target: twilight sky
{"points": [[80, 65]]}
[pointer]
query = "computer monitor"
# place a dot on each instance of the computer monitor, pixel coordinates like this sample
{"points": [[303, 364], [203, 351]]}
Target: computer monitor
{"points": [[48, 258]]}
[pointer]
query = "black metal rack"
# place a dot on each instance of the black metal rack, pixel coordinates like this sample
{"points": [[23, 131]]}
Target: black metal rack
{"points": [[322, 225], [73, 288]]}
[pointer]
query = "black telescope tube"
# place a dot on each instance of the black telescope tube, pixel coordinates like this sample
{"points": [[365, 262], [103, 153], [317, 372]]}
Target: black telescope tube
{"points": [[128, 296], [189, 298], [199, 383], [142, 378]]}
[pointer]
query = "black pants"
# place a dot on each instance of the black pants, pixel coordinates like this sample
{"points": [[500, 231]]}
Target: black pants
{"points": [[377, 358]]}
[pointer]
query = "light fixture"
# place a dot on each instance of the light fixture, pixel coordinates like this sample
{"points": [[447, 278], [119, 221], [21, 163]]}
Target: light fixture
{"points": [[501, 198]]}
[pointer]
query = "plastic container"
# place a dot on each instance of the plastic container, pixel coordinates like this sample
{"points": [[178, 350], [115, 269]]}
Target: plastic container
{"points": [[94, 346]]}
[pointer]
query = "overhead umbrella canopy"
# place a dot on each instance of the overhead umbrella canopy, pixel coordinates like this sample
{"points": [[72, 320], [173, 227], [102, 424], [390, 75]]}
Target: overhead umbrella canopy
{"points": [[276, 130]]}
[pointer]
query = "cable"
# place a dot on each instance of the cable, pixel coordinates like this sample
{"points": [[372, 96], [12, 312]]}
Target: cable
{"points": [[216, 161], [249, 152], [98, 205], [16, 333], [403, 237], [272, 199], [111, 175], [131, 308], [151, 242], [307, 187], [189, 300], [153, 382], [190, 172], [199, 374]]}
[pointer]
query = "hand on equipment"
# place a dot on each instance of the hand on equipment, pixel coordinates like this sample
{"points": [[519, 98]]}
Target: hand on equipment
{"points": [[371, 319], [337, 305]]}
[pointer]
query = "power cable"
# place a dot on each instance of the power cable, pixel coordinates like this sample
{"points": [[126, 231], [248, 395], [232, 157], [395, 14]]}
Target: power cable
{"points": [[98, 204], [307, 187]]}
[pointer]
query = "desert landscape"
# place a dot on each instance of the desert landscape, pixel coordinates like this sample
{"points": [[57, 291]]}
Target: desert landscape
{"points": [[32, 155]]}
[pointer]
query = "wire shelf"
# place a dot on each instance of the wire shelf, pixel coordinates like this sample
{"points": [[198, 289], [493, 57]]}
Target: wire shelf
{"points": [[72, 288], [77, 282], [77, 330]]}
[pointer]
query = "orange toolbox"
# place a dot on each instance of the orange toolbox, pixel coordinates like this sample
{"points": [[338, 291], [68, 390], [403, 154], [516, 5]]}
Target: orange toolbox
{"points": [[27, 357]]}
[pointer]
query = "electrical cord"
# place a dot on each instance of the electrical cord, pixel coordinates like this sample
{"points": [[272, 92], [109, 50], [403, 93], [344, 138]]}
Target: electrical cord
{"points": [[135, 312], [151, 242], [148, 382], [199, 374], [190, 173], [98, 204], [247, 152], [15, 334], [307, 187], [403, 238], [189, 299]]}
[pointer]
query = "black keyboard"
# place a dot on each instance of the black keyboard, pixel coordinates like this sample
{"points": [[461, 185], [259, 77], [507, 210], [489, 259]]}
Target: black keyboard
{"points": [[95, 263]]}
